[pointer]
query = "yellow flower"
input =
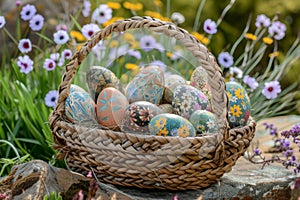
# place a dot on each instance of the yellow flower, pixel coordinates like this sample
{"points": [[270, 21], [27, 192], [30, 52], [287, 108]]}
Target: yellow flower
{"points": [[131, 66], [158, 3], [229, 95], [235, 110], [201, 128], [114, 5], [239, 93], [112, 20], [267, 40], [163, 132], [161, 122], [128, 37], [169, 54], [201, 38], [250, 36], [124, 78], [183, 131], [156, 15], [78, 47], [113, 43], [77, 36], [274, 54], [133, 6]]}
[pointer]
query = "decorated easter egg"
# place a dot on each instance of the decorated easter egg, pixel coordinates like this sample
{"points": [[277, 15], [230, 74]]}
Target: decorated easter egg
{"points": [[204, 122], [110, 107], [239, 107], [147, 85], [187, 99], [138, 115], [171, 82], [166, 108], [80, 108], [76, 88], [98, 78], [171, 125], [199, 78]]}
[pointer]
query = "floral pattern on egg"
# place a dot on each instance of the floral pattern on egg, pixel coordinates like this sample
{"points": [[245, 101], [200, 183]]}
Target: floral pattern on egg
{"points": [[187, 99], [148, 85], [98, 78], [239, 107], [111, 105], [138, 115], [204, 122], [199, 80], [171, 125], [80, 108]]}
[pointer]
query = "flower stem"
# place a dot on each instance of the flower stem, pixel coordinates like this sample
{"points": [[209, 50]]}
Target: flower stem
{"points": [[197, 19]]}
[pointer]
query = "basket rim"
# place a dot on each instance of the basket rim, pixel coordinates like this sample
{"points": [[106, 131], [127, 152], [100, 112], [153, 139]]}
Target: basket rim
{"points": [[207, 60]]}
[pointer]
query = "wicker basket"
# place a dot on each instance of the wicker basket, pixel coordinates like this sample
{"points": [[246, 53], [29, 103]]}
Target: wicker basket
{"points": [[148, 161]]}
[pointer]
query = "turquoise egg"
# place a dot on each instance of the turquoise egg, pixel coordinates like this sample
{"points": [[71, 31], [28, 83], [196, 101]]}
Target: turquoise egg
{"points": [[239, 107], [187, 99], [147, 85], [98, 78], [80, 108], [138, 115], [204, 122], [171, 125]]}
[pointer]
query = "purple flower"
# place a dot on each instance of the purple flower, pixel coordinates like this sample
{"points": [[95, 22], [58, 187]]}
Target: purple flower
{"points": [[89, 29], [18, 3], [86, 8], [51, 98], [285, 143], [296, 129], [28, 12], [2, 21], [210, 26], [49, 64], [277, 30], [61, 37], [262, 21], [271, 89], [288, 153], [159, 64], [67, 54], [61, 27], [251, 82], [147, 43], [24, 45], [102, 14], [25, 63], [37, 22], [54, 56], [225, 59], [134, 53]]}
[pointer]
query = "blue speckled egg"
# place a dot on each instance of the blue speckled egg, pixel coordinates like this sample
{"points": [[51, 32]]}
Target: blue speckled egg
{"points": [[171, 125], [239, 108], [98, 78], [187, 99], [204, 122], [171, 82], [147, 85], [138, 115], [80, 108], [76, 88]]}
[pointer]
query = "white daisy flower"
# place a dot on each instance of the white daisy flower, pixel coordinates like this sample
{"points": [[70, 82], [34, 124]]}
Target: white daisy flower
{"points": [[177, 18], [89, 29], [2, 21], [49, 64], [25, 45], [51, 98], [102, 14], [25, 64], [61, 37]]}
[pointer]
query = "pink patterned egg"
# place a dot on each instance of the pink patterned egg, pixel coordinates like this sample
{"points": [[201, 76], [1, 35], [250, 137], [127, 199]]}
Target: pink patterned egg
{"points": [[171, 82], [110, 107]]}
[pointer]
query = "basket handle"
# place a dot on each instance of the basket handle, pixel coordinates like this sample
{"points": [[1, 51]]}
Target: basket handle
{"points": [[207, 60]]}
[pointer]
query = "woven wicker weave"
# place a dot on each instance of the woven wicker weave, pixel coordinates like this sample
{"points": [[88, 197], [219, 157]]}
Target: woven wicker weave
{"points": [[148, 161]]}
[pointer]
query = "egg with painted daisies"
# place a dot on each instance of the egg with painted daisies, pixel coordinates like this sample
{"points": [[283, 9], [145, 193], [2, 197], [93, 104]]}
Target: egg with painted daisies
{"points": [[239, 107]]}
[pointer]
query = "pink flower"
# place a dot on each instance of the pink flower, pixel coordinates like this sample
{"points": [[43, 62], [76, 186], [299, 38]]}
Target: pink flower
{"points": [[49, 64], [271, 89], [251, 82]]}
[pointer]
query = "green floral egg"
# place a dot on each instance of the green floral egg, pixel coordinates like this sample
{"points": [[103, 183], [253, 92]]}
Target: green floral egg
{"points": [[204, 122], [171, 125], [239, 108]]}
